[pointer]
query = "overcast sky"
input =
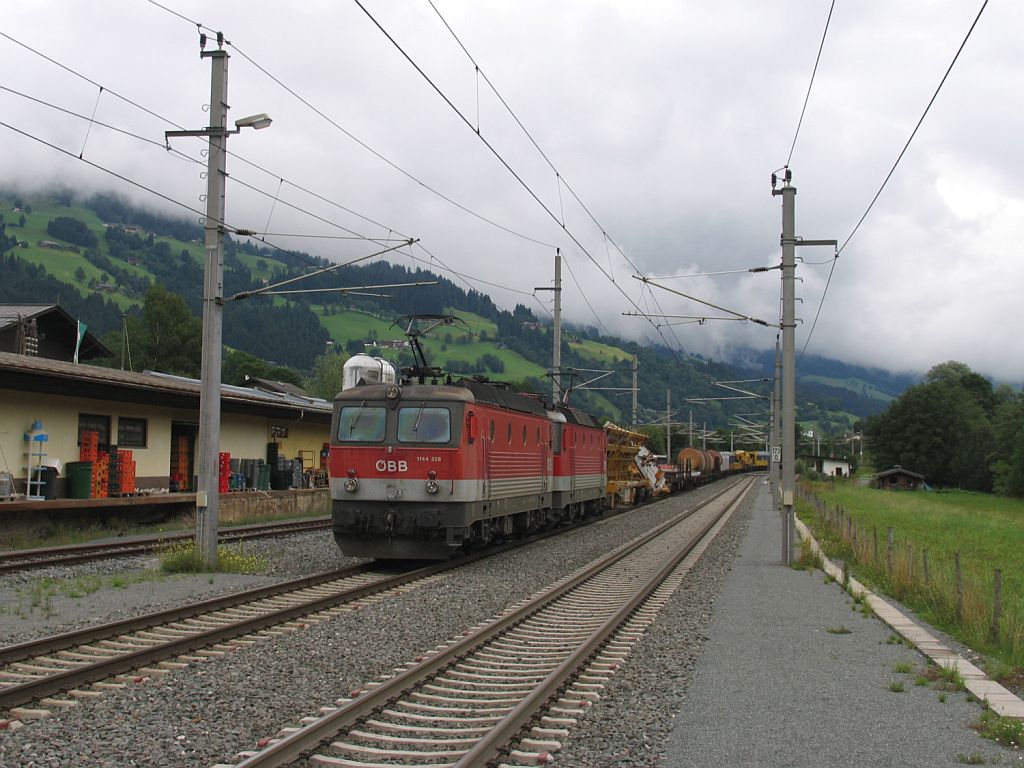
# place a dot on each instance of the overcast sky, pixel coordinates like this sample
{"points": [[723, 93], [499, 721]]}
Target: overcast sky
{"points": [[666, 119]]}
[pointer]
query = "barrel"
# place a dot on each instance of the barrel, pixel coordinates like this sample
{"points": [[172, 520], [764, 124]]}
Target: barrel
{"points": [[79, 474], [700, 461]]}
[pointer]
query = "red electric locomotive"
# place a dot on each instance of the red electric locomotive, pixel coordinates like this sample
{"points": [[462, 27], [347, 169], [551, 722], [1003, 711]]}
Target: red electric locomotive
{"points": [[424, 470]]}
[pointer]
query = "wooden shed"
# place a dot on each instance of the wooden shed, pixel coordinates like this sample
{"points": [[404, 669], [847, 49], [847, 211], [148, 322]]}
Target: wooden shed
{"points": [[897, 479]]}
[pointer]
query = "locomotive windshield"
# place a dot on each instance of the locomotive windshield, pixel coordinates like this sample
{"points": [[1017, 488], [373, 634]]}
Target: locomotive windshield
{"points": [[362, 424], [424, 425]]}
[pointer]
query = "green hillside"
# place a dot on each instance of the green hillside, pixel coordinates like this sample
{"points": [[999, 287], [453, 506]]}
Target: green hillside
{"points": [[117, 252], [859, 386]]}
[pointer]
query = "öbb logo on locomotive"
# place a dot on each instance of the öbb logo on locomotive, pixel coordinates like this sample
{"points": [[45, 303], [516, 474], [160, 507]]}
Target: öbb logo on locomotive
{"points": [[390, 465]]}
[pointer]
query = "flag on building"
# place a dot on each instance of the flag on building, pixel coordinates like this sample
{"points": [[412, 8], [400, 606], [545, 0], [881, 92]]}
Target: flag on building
{"points": [[81, 335]]}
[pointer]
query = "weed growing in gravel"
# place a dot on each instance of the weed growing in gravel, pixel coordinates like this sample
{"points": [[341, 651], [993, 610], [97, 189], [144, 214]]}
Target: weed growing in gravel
{"points": [[921, 680], [945, 678], [894, 640], [1002, 730], [942, 698], [38, 595], [903, 667], [974, 758], [840, 630], [896, 686], [829, 579], [184, 557], [808, 559]]}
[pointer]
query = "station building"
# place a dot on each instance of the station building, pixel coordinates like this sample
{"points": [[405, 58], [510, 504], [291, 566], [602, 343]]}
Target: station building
{"points": [[154, 415]]}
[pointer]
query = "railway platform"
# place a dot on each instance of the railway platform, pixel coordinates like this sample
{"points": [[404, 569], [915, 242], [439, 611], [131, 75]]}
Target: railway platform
{"points": [[792, 675]]}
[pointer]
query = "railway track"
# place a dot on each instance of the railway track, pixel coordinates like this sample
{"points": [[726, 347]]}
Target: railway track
{"points": [[101, 656], [507, 691], [25, 559], [58, 671]]}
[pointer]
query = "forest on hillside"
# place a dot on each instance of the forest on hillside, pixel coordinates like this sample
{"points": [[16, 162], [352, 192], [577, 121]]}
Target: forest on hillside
{"points": [[135, 248]]}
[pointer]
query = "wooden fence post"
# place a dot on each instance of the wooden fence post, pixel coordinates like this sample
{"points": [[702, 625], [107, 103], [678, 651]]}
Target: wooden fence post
{"points": [[888, 551], [997, 605], [959, 587]]}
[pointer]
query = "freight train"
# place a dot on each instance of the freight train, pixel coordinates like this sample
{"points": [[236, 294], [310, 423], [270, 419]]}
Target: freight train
{"points": [[427, 467]]}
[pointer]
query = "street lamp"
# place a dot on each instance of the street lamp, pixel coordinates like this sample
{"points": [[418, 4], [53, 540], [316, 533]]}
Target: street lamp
{"points": [[208, 490]]}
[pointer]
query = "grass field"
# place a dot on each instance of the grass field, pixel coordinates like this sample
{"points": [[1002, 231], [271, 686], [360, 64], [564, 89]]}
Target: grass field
{"points": [[598, 352], [986, 531], [854, 385]]}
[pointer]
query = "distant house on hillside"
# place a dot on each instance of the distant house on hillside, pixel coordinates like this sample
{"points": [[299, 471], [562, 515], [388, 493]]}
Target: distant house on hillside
{"points": [[827, 465], [45, 330], [897, 479]]}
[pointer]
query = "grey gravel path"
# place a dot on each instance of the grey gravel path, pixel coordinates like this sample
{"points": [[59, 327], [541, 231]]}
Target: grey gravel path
{"points": [[773, 687]]}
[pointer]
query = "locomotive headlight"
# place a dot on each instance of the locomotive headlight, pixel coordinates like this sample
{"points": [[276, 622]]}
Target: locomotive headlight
{"points": [[392, 392], [433, 486], [351, 485]]}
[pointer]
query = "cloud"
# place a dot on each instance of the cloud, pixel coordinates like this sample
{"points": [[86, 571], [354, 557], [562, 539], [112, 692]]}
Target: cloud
{"points": [[665, 119]]}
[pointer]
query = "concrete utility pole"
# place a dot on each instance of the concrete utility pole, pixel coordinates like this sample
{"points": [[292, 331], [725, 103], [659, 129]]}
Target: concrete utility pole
{"points": [[788, 405], [776, 450], [668, 426], [556, 332], [788, 193], [635, 392], [207, 493]]}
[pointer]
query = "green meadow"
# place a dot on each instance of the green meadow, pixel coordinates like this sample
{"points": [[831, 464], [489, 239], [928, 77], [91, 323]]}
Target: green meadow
{"points": [[987, 532]]}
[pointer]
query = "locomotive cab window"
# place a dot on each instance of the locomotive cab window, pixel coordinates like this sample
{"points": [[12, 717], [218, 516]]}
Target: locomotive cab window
{"points": [[362, 424], [556, 438], [424, 425]]}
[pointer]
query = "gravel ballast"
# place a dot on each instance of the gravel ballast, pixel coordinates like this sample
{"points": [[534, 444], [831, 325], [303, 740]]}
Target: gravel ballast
{"points": [[698, 688], [206, 713]]}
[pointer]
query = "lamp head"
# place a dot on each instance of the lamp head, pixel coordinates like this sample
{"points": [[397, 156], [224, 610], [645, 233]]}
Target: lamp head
{"points": [[260, 121]]}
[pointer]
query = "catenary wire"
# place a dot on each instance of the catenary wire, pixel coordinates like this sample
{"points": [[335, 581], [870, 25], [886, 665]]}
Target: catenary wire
{"points": [[888, 176], [814, 71], [504, 162]]}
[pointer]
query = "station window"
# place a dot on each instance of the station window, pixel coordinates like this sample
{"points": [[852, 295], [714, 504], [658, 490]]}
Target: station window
{"points": [[94, 423], [131, 433]]}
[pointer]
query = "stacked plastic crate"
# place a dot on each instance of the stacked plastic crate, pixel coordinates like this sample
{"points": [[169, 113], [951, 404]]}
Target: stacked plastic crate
{"points": [[181, 473], [224, 473], [90, 451], [101, 476], [125, 472]]}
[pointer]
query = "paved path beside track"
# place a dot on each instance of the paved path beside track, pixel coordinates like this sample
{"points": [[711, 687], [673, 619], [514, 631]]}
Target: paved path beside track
{"points": [[774, 687]]}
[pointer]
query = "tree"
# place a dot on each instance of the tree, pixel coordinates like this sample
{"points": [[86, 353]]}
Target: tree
{"points": [[168, 337], [80, 274], [325, 379], [237, 365], [1008, 457], [72, 230], [940, 428]]}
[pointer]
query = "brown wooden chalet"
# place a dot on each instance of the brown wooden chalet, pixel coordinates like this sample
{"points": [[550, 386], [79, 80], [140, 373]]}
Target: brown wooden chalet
{"points": [[897, 479]]}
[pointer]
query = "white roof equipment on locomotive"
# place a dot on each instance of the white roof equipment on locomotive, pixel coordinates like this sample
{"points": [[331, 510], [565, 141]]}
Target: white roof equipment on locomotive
{"points": [[367, 370]]}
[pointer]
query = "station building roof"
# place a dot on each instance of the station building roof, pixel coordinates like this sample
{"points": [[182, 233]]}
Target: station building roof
{"points": [[43, 376]]}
